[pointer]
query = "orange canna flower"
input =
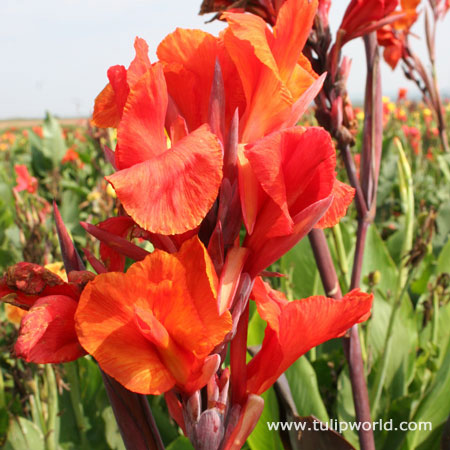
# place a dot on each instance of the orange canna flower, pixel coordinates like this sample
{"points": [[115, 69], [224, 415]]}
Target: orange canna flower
{"points": [[295, 327], [180, 185], [47, 331], [155, 326], [273, 70], [25, 182]]}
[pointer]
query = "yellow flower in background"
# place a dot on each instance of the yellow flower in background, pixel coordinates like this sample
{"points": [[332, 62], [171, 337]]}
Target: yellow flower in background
{"points": [[110, 191], [427, 112], [391, 106], [386, 99], [360, 115], [57, 268], [14, 314]]}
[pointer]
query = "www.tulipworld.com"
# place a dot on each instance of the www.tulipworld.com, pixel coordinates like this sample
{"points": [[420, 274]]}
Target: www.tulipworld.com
{"points": [[335, 425]]}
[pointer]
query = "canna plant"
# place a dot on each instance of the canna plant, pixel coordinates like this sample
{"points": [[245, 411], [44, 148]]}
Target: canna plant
{"points": [[212, 173]]}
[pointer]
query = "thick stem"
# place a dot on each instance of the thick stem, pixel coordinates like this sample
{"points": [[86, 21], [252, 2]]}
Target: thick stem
{"points": [[352, 346], [363, 226], [134, 417], [238, 361]]}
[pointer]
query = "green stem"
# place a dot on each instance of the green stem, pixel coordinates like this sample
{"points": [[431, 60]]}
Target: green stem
{"points": [[51, 435], [341, 255], [75, 398]]}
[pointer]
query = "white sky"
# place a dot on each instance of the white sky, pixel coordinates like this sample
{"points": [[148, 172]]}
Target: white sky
{"points": [[54, 54]]}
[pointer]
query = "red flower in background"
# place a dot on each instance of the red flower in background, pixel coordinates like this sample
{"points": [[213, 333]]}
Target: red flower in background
{"points": [[295, 327], [47, 331], [25, 182], [155, 326], [392, 36]]}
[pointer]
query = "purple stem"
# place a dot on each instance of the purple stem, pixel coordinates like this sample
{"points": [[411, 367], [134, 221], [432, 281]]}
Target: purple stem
{"points": [[352, 346]]}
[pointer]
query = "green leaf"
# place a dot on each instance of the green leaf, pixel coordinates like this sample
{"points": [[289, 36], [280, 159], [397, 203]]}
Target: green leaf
{"points": [[24, 434], [299, 264], [377, 258], [305, 390], [112, 433], [443, 264], [180, 443], [53, 144], [435, 407], [262, 438]]}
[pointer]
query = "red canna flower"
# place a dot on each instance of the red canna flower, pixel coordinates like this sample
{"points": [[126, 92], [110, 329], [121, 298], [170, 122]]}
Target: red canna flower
{"points": [[24, 180], [154, 327], [295, 327], [47, 331], [109, 104], [287, 184], [363, 16]]}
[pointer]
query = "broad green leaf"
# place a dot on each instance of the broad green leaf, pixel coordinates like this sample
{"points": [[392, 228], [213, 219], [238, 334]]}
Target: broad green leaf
{"points": [[377, 258], [435, 407], [180, 443], [112, 433], [305, 390], [24, 434], [53, 144], [262, 438], [345, 406], [300, 266]]}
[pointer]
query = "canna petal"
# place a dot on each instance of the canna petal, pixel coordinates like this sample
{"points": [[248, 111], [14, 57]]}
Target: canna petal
{"points": [[141, 134], [110, 102], [106, 329], [189, 58], [179, 186], [302, 325], [47, 332], [294, 22], [342, 197]]}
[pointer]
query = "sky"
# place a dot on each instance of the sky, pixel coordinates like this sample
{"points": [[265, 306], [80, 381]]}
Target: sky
{"points": [[55, 53]]}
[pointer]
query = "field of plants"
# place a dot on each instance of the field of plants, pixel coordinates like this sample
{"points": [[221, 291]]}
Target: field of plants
{"points": [[277, 351]]}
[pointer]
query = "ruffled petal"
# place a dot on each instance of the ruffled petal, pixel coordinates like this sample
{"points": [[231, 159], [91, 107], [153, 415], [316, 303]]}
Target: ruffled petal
{"points": [[109, 103], [47, 332], [342, 197], [173, 192], [302, 325]]}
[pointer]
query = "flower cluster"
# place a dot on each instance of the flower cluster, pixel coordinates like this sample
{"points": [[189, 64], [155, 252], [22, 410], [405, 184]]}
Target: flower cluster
{"points": [[212, 170]]}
